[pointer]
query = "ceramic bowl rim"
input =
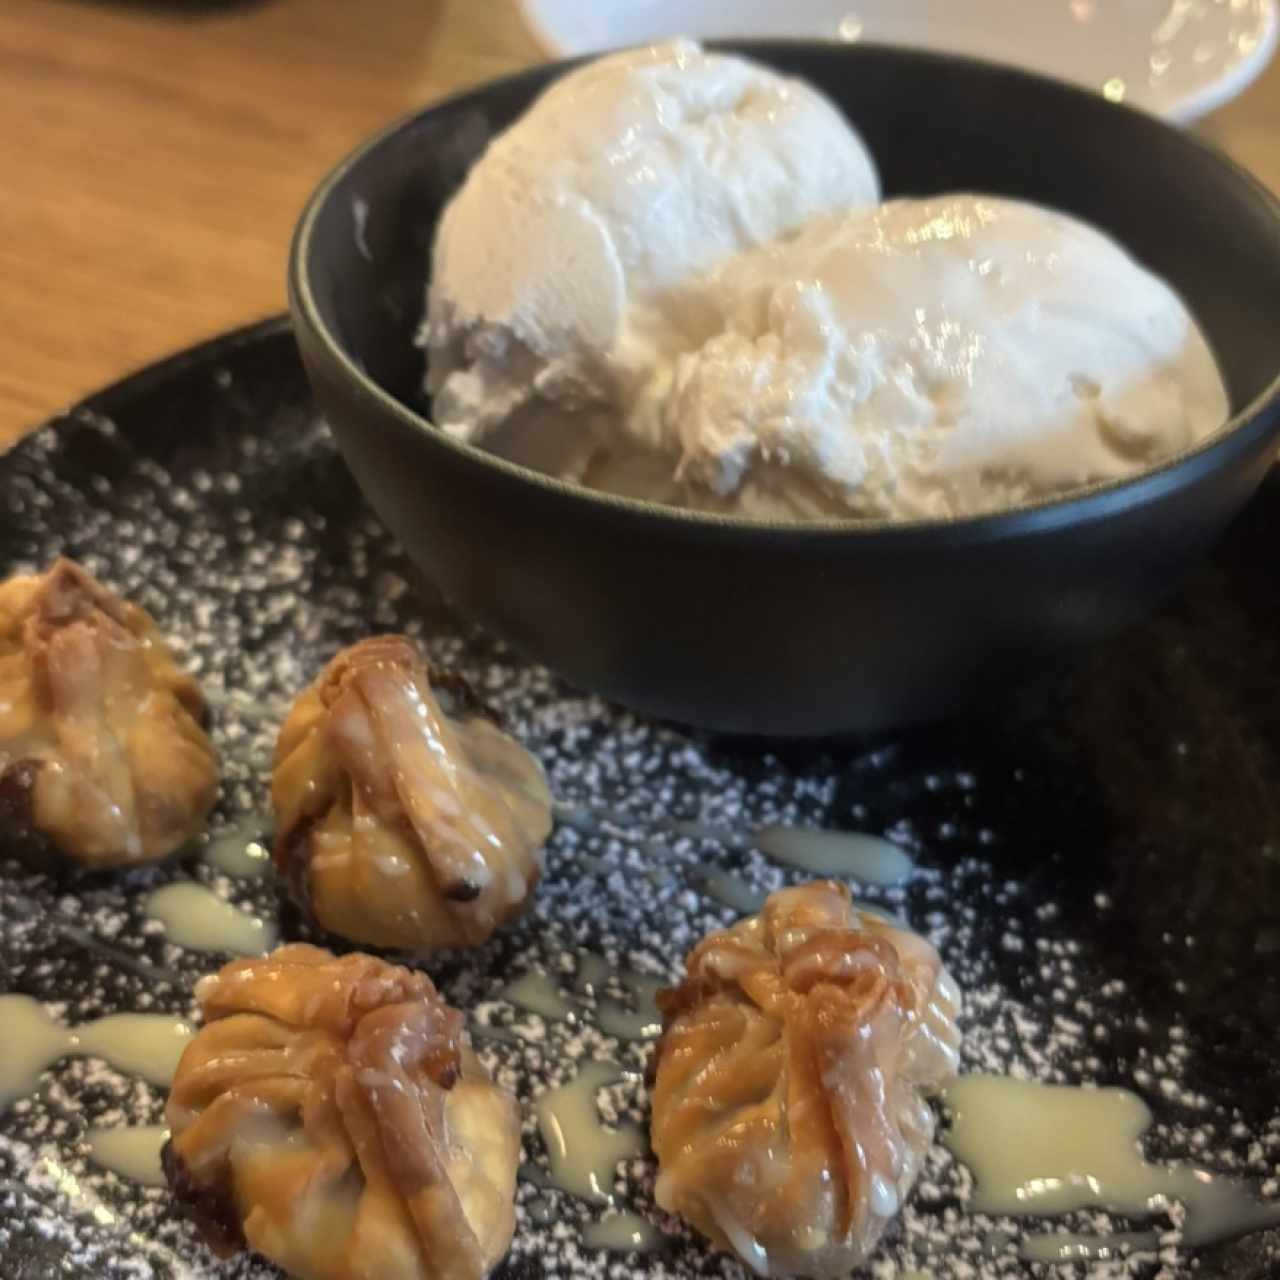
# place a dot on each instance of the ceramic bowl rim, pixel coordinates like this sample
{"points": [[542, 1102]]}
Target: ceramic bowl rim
{"points": [[1077, 505]]}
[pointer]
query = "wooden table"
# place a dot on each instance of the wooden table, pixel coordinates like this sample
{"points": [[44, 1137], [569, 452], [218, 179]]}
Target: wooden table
{"points": [[155, 157]]}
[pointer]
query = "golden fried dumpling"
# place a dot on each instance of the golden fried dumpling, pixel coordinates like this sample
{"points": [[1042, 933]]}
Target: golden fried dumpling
{"points": [[789, 1113], [397, 824], [102, 757], [331, 1116]]}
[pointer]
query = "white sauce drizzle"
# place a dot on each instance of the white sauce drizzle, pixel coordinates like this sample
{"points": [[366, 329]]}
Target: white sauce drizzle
{"points": [[622, 1233], [194, 916], [137, 1044], [869, 859], [643, 1022], [132, 1152], [236, 855], [638, 1020], [1067, 1246], [538, 994], [735, 894], [584, 1154], [1050, 1149], [593, 973]]}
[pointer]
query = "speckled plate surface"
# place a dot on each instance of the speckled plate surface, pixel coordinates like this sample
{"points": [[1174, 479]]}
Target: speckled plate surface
{"points": [[1099, 861]]}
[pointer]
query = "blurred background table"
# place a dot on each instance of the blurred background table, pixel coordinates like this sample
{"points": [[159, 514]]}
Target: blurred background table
{"points": [[155, 157]]}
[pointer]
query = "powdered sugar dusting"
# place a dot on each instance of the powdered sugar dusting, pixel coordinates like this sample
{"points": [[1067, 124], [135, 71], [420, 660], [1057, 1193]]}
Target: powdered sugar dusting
{"points": [[1048, 897]]}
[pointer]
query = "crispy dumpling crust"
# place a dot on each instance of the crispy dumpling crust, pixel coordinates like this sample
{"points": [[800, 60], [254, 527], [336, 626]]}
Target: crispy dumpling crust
{"points": [[331, 1116], [789, 1117], [400, 825], [103, 760]]}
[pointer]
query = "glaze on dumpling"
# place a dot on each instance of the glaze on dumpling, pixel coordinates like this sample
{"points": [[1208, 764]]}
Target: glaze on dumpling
{"points": [[102, 757], [331, 1116], [789, 1112], [398, 824]]}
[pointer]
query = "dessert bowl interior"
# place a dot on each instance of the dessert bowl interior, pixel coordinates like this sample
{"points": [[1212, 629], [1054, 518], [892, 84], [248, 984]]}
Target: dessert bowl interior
{"points": [[742, 626]]}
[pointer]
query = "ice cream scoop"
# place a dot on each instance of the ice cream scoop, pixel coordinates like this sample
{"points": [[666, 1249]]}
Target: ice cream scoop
{"points": [[923, 359], [671, 279], [561, 269]]}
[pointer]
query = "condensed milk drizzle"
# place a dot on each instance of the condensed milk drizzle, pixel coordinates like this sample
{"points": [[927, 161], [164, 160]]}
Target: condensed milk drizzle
{"points": [[857, 855], [241, 852], [1050, 1149], [137, 1044], [636, 1019], [623, 1233], [583, 1153], [132, 1152], [194, 916]]}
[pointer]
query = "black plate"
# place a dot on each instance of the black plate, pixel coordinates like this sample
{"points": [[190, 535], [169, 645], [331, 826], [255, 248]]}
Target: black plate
{"points": [[1100, 866]]}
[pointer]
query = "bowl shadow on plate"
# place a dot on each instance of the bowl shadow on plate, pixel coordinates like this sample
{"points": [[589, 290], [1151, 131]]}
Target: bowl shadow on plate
{"points": [[1137, 790]]}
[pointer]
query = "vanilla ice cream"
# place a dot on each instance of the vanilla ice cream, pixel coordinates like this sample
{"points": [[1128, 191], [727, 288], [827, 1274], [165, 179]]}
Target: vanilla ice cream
{"points": [[926, 358], [671, 280], [561, 268]]}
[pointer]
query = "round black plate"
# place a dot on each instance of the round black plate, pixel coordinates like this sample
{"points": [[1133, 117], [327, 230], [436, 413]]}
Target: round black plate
{"points": [[1099, 863]]}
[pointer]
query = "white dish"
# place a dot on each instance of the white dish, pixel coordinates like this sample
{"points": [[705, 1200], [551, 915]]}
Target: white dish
{"points": [[1177, 58]]}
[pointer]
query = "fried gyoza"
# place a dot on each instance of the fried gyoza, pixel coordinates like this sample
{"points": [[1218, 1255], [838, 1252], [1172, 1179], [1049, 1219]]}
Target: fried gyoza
{"points": [[398, 825], [102, 757], [789, 1112], [331, 1116]]}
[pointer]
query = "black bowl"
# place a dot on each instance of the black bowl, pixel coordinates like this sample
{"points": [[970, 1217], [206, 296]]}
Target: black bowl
{"points": [[742, 626]]}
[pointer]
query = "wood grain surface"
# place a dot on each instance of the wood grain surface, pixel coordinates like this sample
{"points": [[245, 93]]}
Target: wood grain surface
{"points": [[155, 156]]}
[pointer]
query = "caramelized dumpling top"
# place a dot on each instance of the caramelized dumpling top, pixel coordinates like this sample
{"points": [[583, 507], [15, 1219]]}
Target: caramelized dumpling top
{"points": [[399, 824], [789, 1113], [331, 1116], [102, 757]]}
